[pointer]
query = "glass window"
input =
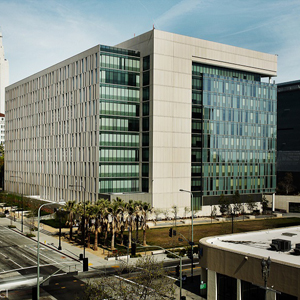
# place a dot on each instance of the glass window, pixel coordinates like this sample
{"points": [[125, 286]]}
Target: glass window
{"points": [[146, 63]]}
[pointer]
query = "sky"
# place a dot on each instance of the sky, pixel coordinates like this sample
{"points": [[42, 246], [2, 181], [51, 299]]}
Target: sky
{"points": [[40, 33]]}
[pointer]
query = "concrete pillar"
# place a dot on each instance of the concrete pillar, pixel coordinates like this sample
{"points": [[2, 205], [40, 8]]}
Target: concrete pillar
{"points": [[238, 289], [273, 202], [271, 295], [203, 279], [211, 285]]}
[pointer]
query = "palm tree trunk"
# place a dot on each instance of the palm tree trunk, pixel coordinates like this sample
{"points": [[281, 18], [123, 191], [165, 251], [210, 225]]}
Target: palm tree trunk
{"points": [[144, 237], [96, 239], [122, 236], [129, 236], [71, 231], [137, 230], [89, 238], [112, 235], [105, 236]]}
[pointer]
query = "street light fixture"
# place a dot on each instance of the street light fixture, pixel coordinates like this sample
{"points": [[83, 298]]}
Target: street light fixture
{"points": [[180, 276], [59, 212], [19, 177], [85, 261], [265, 269], [38, 246], [192, 242]]}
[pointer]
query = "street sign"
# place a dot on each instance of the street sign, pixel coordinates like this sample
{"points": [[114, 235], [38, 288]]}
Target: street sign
{"points": [[202, 286]]}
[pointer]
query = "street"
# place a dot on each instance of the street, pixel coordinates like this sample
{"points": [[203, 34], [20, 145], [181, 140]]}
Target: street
{"points": [[18, 260]]}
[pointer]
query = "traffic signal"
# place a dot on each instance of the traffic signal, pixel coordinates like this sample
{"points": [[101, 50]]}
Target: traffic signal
{"points": [[189, 253], [174, 232], [133, 249], [170, 232], [177, 271]]}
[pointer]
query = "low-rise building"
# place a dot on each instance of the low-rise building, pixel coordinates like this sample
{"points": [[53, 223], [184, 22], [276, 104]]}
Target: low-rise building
{"points": [[254, 265]]}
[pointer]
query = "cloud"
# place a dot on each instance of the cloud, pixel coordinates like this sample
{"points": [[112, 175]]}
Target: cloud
{"points": [[46, 32], [40, 33], [178, 10]]}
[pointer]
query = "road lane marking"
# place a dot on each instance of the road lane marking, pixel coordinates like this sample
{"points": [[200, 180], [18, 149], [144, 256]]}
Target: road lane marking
{"points": [[29, 258], [4, 255], [49, 258], [16, 263]]}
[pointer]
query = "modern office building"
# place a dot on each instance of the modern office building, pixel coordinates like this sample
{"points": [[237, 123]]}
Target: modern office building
{"points": [[2, 129], [255, 265], [4, 75], [288, 140], [158, 113]]}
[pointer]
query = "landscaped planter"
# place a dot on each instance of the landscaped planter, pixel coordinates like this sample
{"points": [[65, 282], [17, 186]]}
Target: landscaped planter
{"points": [[110, 258], [121, 257]]}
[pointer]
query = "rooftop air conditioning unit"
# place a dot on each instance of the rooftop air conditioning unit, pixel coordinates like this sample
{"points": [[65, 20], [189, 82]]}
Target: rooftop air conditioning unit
{"points": [[281, 245], [297, 249]]}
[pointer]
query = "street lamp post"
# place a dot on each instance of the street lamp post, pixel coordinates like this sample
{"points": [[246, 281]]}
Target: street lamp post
{"points": [[192, 242], [265, 269], [85, 262], [180, 275], [38, 247], [59, 243], [59, 236], [19, 177]]}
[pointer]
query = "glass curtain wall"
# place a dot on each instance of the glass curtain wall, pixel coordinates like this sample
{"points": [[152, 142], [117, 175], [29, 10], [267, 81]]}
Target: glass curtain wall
{"points": [[145, 124], [119, 120], [233, 132]]}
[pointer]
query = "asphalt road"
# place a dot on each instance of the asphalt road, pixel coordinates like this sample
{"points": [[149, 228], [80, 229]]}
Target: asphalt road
{"points": [[18, 260], [66, 286]]}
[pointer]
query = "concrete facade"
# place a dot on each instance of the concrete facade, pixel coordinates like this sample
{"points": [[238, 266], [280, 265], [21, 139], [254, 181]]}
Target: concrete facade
{"points": [[2, 129], [53, 139], [289, 204], [172, 56]]}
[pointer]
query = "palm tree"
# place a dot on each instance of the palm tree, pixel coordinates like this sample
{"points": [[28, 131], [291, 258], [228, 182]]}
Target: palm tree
{"points": [[114, 210], [88, 215], [130, 208], [70, 207], [104, 218], [122, 221], [145, 209], [137, 218], [81, 209], [98, 214]]}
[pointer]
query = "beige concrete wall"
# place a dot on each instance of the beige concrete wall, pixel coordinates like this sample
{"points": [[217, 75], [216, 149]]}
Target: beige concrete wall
{"points": [[284, 277], [282, 202]]}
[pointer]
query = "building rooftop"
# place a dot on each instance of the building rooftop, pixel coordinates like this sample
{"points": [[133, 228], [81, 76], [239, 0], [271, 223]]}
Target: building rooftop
{"points": [[258, 244]]}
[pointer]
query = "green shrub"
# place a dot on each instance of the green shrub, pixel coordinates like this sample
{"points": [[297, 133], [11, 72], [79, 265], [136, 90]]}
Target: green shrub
{"points": [[172, 255], [182, 252], [137, 255], [30, 235]]}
